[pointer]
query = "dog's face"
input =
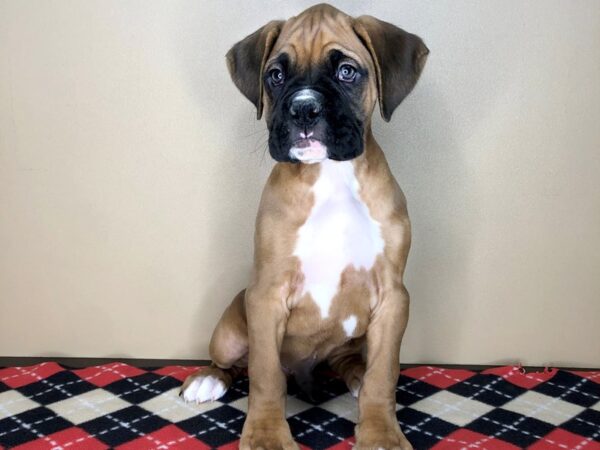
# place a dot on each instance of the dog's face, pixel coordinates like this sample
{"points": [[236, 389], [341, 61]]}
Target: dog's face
{"points": [[318, 76], [316, 111]]}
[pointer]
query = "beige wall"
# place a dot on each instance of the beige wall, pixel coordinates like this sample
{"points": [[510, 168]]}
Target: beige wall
{"points": [[131, 168]]}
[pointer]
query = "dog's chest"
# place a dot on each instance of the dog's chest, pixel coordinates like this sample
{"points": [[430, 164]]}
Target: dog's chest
{"points": [[339, 233]]}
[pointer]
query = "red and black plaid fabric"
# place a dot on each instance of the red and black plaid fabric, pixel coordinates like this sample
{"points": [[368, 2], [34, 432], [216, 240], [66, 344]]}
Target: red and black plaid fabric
{"points": [[48, 406]]}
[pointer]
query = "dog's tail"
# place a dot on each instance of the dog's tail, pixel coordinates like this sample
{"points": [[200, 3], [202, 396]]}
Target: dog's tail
{"points": [[306, 383]]}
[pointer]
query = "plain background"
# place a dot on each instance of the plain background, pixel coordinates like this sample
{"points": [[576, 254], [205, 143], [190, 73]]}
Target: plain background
{"points": [[131, 170]]}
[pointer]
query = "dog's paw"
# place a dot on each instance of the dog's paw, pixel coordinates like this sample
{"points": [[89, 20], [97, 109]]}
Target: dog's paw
{"points": [[267, 434], [353, 377], [202, 388], [354, 386], [381, 435]]}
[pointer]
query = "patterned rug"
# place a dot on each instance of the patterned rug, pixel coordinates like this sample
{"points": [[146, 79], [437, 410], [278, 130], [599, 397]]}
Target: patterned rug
{"points": [[48, 406]]}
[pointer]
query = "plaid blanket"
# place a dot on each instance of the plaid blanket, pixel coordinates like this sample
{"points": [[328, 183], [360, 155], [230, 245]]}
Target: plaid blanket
{"points": [[49, 406]]}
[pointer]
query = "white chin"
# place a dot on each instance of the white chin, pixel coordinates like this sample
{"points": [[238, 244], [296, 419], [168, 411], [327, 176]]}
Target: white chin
{"points": [[312, 154]]}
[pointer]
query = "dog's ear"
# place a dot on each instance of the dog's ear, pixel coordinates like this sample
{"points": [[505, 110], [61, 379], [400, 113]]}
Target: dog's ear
{"points": [[246, 61], [399, 58]]}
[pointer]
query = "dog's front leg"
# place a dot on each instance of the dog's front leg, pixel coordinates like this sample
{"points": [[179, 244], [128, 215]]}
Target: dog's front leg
{"points": [[377, 427], [265, 425]]}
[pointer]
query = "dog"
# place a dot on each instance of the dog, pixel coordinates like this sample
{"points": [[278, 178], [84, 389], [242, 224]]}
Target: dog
{"points": [[332, 231]]}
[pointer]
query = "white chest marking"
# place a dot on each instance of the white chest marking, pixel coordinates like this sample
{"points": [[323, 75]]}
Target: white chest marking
{"points": [[339, 232], [349, 325]]}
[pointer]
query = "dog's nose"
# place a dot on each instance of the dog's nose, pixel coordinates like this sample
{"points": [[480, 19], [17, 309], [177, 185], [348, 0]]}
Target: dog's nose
{"points": [[306, 107]]}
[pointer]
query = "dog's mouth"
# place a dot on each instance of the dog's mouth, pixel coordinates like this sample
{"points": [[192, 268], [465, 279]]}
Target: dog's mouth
{"points": [[308, 150]]}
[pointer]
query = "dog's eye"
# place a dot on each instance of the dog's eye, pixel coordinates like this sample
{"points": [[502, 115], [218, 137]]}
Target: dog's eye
{"points": [[346, 73], [277, 77]]}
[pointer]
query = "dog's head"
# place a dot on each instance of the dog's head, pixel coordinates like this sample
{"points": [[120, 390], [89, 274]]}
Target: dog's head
{"points": [[317, 77]]}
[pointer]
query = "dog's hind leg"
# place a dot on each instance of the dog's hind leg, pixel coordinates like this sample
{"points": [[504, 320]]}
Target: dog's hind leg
{"points": [[228, 351], [349, 363]]}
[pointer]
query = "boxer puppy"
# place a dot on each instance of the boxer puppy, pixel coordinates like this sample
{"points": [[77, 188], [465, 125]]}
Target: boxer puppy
{"points": [[332, 231]]}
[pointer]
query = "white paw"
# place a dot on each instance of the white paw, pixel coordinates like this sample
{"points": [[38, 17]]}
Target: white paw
{"points": [[354, 388], [204, 389]]}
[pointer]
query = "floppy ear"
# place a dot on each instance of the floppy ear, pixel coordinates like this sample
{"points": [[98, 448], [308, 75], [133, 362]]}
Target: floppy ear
{"points": [[247, 58], [399, 58]]}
